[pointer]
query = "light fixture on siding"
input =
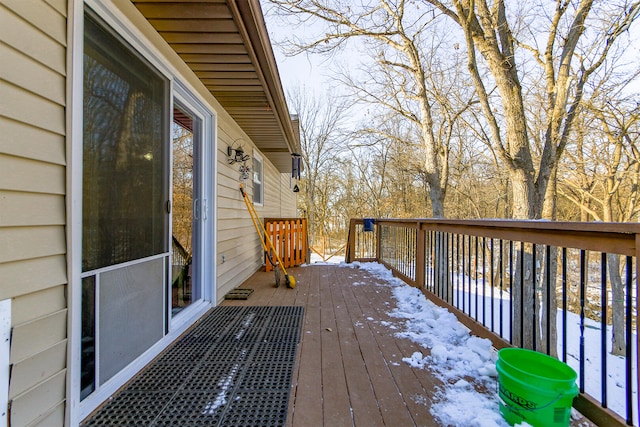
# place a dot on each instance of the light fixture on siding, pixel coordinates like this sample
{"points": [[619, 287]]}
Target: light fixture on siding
{"points": [[236, 155], [296, 165]]}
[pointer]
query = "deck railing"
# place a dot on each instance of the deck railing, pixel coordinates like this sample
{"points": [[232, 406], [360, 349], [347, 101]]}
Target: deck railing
{"points": [[564, 289]]}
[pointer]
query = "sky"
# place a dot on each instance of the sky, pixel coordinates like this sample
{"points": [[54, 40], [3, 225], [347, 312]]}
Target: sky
{"points": [[313, 71]]}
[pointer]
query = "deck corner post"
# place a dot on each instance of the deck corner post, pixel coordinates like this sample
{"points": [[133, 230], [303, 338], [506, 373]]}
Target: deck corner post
{"points": [[378, 240]]}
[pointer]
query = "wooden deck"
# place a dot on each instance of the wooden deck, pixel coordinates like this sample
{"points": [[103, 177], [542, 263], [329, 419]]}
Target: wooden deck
{"points": [[350, 369]]}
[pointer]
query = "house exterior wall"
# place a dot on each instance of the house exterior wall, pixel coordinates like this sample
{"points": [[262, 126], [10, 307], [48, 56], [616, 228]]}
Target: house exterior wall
{"points": [[33, 37], [33, 182], [240, 253]]}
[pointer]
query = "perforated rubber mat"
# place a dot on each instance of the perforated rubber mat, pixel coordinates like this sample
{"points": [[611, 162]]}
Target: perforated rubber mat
{"points": [[233, 369]]}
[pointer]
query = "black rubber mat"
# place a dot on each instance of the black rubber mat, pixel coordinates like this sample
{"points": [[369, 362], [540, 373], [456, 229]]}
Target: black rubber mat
{"points": [[233, 369]]}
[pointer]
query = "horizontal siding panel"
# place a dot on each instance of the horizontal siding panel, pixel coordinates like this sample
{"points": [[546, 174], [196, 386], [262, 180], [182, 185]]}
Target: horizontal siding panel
{"points": [[232, 248], [33, 370], [32, 76], [31, 338], [59, 5], [228, 180], [243, 240], [24, 209], [41, 15], [232, 193], [26, 38], [232, 262], [230, 205], [53, 418], [248, 232], [20, 174], [25, 107], [37, 403], [26, 308], [231, 212], [21, 243], [22, 140], [32, 275]]}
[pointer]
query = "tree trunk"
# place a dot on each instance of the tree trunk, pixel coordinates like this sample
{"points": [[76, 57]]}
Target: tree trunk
{"points": [[617, 306], [523, 294]]}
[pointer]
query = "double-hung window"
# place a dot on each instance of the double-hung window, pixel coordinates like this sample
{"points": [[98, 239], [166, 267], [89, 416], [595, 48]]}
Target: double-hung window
{"points": [[258, 180]]}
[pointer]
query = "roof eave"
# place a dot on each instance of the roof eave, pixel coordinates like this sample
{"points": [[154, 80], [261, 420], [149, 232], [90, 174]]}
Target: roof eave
{"points": [[254, 30]]}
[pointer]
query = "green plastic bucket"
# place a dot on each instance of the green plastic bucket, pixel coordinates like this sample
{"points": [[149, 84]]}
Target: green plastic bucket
{"points": [[535, 388]]}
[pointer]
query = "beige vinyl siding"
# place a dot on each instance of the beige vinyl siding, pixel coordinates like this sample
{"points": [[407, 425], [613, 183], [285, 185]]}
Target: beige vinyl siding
{"points": [[289, 199], [40, 177], [237, 238], [22, 243], [280, 200], [34, 407], [30, 307], [32, 205], [23, 140], [238, 242]]}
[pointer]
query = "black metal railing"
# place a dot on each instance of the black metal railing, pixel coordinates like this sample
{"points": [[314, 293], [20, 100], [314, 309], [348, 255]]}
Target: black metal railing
{"points": [[565, 289]]}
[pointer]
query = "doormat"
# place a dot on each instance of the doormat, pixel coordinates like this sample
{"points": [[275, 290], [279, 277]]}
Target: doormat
{"points": [[233, 369], [239, 293]]}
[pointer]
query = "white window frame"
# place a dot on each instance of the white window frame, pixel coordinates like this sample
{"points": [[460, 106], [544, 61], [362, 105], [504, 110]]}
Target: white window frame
{"points": [[258, 196]]}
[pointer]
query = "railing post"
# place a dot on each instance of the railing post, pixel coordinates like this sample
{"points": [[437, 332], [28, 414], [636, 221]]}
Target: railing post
{"points": [[420, 254], [378, 241], [351, 241]]}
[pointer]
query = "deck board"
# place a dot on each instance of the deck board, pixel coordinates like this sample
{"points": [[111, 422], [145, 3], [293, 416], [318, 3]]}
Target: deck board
{"points": [[350, 369]]}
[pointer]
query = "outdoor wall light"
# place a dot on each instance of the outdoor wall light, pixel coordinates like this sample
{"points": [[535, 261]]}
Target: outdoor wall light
{"points": [[296, 165], [236, 155]]}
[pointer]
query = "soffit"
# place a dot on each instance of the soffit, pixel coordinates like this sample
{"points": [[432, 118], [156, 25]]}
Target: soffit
{"points": [[225, 43]]}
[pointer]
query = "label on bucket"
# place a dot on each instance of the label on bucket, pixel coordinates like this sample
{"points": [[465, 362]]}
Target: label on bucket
{"points": [[518, 400]]}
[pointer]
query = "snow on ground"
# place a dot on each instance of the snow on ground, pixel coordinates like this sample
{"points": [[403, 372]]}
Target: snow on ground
{"points": [[461, 360]]}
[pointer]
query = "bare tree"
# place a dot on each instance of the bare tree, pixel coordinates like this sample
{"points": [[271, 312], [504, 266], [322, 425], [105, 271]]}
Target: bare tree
{"points": [[321, 141], [488, 31], [569, 57], [607, 157], [408, 78]]}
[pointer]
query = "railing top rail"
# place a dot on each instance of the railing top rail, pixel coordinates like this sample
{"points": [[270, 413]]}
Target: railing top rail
{"points": [[609, 227], [610, 237]]}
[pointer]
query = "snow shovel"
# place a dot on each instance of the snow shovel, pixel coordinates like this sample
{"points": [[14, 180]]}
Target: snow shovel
{"points": [[267, 245]]}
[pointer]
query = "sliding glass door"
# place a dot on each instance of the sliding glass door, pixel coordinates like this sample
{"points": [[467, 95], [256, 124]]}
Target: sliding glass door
{"points": [[125, 191], [187, 208]]}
